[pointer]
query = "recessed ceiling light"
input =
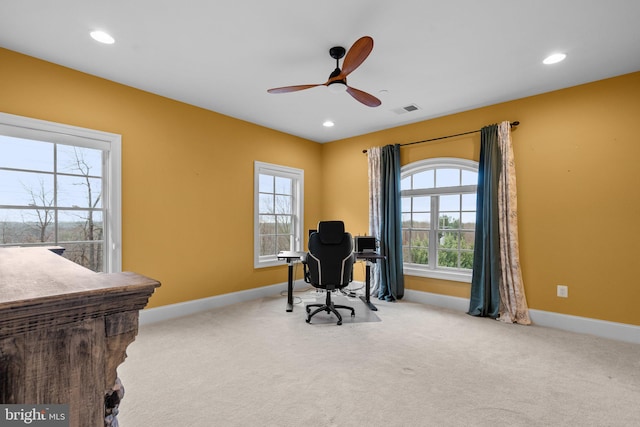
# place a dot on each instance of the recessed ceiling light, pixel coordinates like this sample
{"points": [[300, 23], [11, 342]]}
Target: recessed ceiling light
{"points": [[102, 37], [554, 59], [328, 124]]}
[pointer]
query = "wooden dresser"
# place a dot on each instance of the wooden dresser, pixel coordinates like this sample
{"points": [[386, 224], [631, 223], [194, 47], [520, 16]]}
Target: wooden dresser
{"points": [[64, 330]]}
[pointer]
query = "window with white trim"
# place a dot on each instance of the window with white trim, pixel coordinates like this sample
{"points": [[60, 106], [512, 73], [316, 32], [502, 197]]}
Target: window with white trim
{"points": [[278, 212], [438, 217], [60, 186]]}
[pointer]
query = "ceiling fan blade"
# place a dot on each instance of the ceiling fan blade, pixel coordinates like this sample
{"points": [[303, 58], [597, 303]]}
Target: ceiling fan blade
{"points": [[287, 89], [356, 55], [363, 97]]}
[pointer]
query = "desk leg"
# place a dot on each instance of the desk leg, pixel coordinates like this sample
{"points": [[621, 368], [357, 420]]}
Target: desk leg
{"points": [[290, 288], [366, 299]]}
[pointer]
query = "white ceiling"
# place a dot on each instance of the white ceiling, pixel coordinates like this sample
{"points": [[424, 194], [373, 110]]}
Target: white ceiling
{"points": [[442, 56]]}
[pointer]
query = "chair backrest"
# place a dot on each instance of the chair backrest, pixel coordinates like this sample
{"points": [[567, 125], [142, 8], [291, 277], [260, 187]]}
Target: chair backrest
{"points": [[330, 259]]}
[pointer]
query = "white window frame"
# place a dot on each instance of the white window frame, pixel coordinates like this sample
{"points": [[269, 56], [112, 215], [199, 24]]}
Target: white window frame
{"points": [[110, 143], [433, 271], [297, 175]]}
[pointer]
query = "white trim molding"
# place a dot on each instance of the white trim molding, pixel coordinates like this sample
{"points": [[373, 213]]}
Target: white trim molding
{"points": [[566, 322], [582, 325], [297, 177], [172, 311]]}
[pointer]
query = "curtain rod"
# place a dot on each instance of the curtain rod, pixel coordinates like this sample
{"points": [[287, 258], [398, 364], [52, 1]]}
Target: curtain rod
{"points": [[513, 124]]}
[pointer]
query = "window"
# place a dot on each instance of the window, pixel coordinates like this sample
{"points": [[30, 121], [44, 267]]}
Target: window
{"points": [[278, 218], [438, 218], [60, 186]]}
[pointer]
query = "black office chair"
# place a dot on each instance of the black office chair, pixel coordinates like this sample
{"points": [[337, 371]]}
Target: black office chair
{"points": [[328, 265]]}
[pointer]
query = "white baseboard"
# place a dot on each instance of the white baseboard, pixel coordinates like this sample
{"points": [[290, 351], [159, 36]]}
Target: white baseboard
{"points": [[444, 301], [172, 311], [583, 325]]}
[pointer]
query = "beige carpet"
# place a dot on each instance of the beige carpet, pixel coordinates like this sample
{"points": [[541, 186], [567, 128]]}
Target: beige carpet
{"points": [[253, 364]]}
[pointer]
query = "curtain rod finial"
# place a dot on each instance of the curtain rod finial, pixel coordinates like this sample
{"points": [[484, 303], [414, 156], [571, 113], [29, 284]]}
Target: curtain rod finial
{"points": [[514, 124]]}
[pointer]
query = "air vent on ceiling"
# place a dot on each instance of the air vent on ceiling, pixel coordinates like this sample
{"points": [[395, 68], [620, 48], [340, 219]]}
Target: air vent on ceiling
{"points": [[406, 109]]}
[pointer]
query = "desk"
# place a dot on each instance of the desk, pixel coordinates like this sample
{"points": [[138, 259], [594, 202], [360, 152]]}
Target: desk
{"points": [[290, 257], [369, 257]]}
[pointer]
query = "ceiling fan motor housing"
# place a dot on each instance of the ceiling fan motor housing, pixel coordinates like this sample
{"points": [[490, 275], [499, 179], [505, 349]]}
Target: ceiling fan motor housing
{"points": [[337, 52]]}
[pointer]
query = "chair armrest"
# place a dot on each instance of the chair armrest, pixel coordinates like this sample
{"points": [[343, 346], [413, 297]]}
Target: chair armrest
{"points": [[303, 260]]}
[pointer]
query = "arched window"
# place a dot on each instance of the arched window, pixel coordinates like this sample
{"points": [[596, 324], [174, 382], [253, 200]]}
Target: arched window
{"points": [[438, 217]]}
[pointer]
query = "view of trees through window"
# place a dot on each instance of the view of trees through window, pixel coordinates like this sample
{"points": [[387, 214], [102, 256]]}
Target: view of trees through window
{"points": [[438, 214], [276, 214], [51, 194], [455, 244]]}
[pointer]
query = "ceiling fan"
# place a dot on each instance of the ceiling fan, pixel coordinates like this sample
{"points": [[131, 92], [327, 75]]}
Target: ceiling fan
{"points": [[338, 79]]}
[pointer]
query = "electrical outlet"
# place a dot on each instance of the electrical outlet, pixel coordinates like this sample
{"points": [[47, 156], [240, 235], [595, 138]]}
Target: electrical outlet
{"points": [[563, 291]]}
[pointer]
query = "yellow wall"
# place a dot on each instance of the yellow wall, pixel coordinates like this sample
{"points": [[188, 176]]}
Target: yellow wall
{"points": [[188, 188], [576, 154], [187, 173]]}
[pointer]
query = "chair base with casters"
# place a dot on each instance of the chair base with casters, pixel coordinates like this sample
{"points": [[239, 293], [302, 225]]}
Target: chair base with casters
{"points": [[329, 307]]}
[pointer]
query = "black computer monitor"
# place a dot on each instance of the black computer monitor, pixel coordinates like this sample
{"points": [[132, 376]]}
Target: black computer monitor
{"points": [[365, 244]]}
